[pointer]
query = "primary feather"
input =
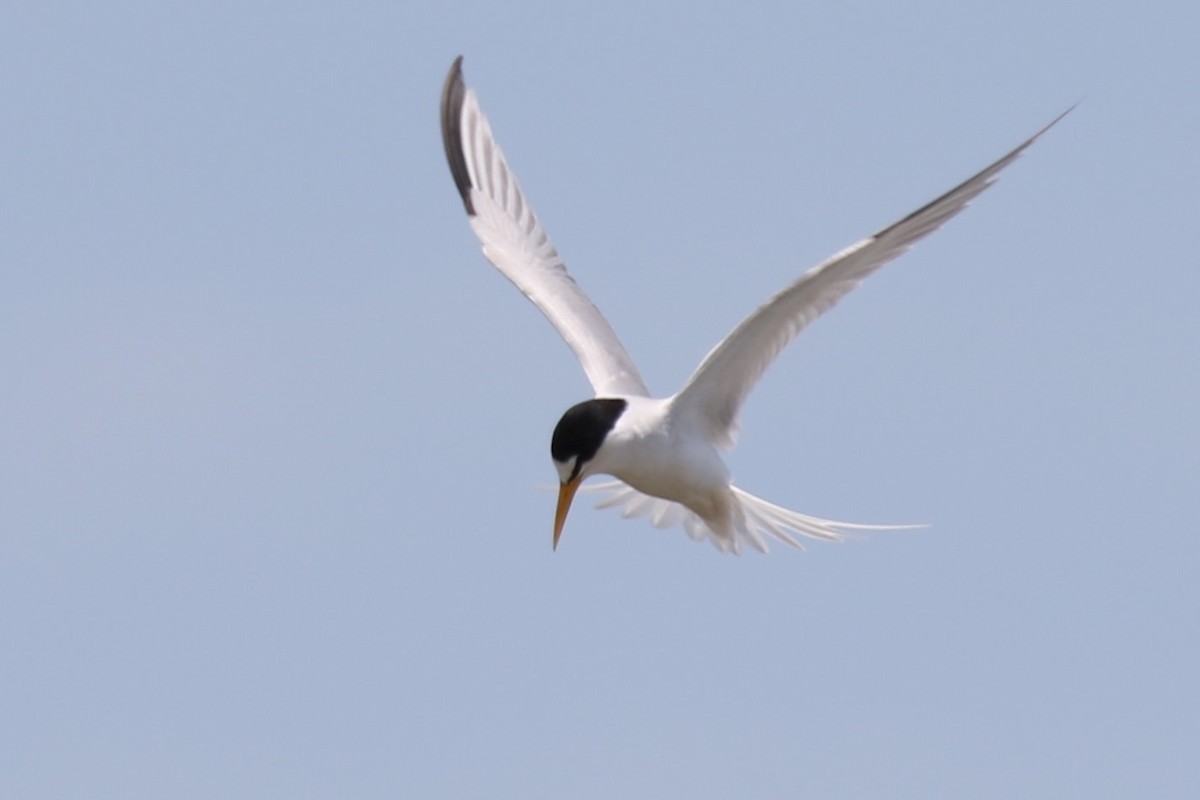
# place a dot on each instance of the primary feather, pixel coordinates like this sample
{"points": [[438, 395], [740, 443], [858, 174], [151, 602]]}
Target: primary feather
{"points": [[718, 387], [515, 242]]}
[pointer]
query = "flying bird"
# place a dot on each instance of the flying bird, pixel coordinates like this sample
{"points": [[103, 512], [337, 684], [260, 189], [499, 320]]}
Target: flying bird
{"points": [[665, 453]]}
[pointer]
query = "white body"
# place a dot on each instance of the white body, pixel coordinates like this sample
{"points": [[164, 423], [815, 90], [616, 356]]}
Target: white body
{"points": [[663, 456]]}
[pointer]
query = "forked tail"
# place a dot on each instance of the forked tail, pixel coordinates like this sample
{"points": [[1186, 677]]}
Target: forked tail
{"points": [[753, 521]]}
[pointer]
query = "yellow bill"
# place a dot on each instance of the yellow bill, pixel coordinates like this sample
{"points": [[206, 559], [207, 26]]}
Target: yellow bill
{"points": [[566, 492]]}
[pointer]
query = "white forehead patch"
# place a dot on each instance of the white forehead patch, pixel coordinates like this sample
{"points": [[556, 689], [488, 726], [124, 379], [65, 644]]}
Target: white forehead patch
{"points": [[565, 469]]}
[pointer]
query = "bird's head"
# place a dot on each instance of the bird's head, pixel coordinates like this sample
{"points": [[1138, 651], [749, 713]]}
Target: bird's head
{"points": [[577, 439]]}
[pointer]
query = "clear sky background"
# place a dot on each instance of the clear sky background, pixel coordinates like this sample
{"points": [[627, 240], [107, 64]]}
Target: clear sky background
{"points": [[275, 488]]}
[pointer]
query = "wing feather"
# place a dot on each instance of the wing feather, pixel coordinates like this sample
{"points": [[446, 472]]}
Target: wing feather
{"points": [[515, 242], [718, 387]]}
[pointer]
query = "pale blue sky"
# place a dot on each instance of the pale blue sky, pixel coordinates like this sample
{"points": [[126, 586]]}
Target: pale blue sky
{"points": [[274, 505]]}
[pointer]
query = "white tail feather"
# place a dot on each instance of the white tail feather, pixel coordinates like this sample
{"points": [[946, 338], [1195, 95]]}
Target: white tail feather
{"points": [[754, 518]]}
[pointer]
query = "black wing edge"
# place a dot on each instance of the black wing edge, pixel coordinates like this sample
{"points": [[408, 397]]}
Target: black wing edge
{"points": [[993, 169], [454, 94]]}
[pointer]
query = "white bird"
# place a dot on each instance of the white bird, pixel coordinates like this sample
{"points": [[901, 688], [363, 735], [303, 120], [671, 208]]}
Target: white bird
{"points": [[664, 452]]}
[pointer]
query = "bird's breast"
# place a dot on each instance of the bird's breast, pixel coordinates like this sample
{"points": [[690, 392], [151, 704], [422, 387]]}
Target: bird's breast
{"points": [[660, 460]]}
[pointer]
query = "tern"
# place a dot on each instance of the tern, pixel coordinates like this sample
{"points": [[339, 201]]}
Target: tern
{"points": [[665, 453]]}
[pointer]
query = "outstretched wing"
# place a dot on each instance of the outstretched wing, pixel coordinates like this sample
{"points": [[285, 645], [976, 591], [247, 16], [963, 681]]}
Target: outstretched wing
{"points": [[720, 384], [515, 242]]}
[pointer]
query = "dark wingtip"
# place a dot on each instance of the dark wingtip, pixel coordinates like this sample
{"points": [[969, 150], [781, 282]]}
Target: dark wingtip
{"points": [[454, 93], [1054, 121], [990, 172]]}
